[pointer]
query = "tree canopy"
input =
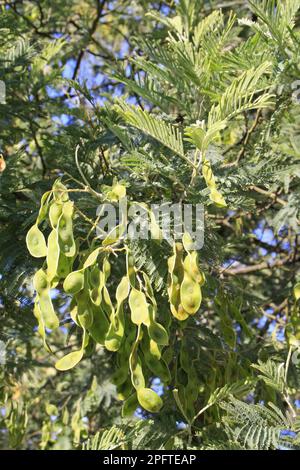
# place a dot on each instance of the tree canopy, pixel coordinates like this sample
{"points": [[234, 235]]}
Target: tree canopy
{"points": [[118, 342]]}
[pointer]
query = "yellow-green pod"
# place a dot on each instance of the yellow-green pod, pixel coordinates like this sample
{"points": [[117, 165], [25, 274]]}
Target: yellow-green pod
{"points": [[65, 230], [69, 361], [122, 291], [99, 328], [84, 310], [64, 266], [154, 349], [179, 312], [149, 400], [158, 333], [52, 254], [43, 207], [130, 265], [55, 212], [190, 265], [137, 376], [60, 192], [190, 295], [42, 286], [138, 307], [36, 242], [74, 282]]}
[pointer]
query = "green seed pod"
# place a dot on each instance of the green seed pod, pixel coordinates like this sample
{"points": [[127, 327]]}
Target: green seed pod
{"points": [[190, 294], [92, 258], [84, 310], [69, 361], [190, 266], [42, 286], [122, 291], [60, 192], [65, 230], [157, 366], [64, 266], [52, 255], [43, 207], [55, 212], [154, 349], [74, 282], [100, 325], [137, 376], [36, 243], [130, 268], [149, 400], [41, 326], [158, 333], [138, 307]]}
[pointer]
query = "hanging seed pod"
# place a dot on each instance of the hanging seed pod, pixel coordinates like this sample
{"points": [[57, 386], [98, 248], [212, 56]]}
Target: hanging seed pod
{"points": [[74, 282], [149, 400], [215, 195], [42, 286], [99, 328], [55, 212], [138, 307], [190, 295], [73, 358], [52, 255], [65, 230], [36, 243]]}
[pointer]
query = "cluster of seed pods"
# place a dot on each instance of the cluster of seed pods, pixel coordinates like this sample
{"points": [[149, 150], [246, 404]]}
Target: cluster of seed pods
{"points": [[124, 321]]}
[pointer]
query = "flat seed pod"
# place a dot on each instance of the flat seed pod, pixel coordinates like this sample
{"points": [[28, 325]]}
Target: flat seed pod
{"points": [[55, 212], [65, 230], [64, 266], [190, 294], [41, 325], [149, 400], [122, 291], [190, 265], [36, 242], [187, 241], [138, 307], [69, 361], [179, 312], [154, 349], [40, 281], [52, 254], [216, 197], [74, 282], [99, 327], [158, 333], [130, 268], [137, 377], [92, 258], [43, 207], [60, 192], [47, 311]]}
